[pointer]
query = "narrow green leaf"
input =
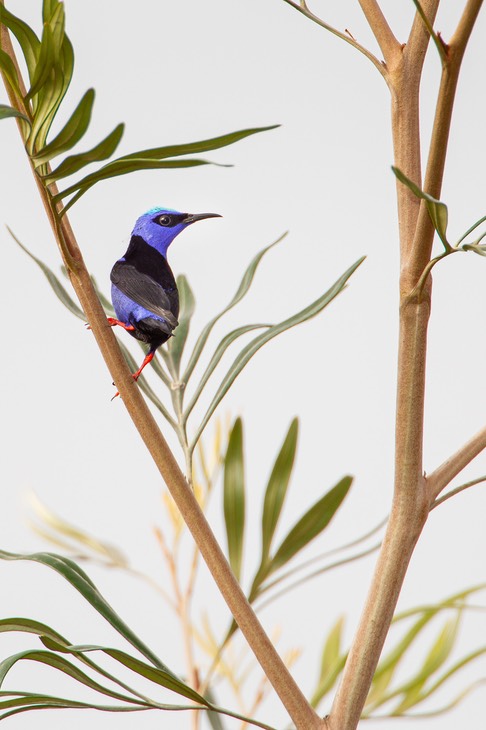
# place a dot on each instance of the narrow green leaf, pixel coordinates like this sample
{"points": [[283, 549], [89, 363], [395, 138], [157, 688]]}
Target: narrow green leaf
{"points": [[187, 306], [277, 486], [471, 229], [101, 151], [191, 148], [9, 111], [311, 524], [234, 497], [54, 282], [61, 664], [122, 167], [49, 7], [247, 353], [57, 24], [240, 293], [29, 701], [48, 100], [30, 626], [71, 133], [216, 358], [435, 208], [45, 62], [28, 41], [332, 662], [82, 583], [10, 72]]}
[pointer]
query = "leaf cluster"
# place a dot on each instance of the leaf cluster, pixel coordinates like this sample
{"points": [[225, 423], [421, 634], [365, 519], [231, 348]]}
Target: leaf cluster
{"points": [[50, 66]]}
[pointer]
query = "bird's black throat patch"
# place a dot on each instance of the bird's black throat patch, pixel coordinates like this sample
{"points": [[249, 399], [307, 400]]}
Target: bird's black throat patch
{"points": [[147, 260]]}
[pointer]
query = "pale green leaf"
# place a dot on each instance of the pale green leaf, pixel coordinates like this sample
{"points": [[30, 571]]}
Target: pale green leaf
{"points": [[101, 151], [247, 353], [332, 663], [71, 133], [240, 293], [435, 208], [9, 111], [234, 497], [187, 307]]}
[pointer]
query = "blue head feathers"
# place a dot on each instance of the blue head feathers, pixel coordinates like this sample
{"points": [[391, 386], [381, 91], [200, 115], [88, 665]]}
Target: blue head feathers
{"points": [[159, 226]]}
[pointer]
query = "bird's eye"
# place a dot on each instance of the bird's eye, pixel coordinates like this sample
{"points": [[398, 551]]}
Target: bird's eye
{"points": [[165, 220]]}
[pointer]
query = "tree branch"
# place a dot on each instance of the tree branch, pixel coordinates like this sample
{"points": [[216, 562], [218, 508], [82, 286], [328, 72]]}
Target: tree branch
{"points": [[389, 45], [445, 473], [347, 38], [292, 698]]}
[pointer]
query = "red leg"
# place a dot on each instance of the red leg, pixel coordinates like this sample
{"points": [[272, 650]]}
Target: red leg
{"points": [[148, 358], [113, 322]]}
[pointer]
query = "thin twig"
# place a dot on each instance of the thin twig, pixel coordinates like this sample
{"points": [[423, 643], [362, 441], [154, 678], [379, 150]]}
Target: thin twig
{"points": [[457, 490], [349, 39], [451, 467]]}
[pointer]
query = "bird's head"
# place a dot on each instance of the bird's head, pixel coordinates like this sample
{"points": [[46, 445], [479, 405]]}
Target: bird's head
{"points": [[159, 226]]}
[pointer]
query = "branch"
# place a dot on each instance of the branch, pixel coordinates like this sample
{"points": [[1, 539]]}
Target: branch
{"points": [[457, 490], [352, 42], [424, 232], [389, 45], [292, 698], [445, 473]]}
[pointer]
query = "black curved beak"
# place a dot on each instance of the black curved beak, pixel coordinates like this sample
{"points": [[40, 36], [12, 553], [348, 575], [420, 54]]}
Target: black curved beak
{"points": [[192, 218]]}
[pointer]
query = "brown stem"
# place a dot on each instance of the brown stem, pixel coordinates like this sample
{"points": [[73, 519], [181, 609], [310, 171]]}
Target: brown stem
{"points": [[389, 45], [411, 499], [291, 696]]}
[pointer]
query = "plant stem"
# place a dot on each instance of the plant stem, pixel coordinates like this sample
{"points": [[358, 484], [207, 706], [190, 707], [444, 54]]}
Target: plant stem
{"points": [[291, 696]]}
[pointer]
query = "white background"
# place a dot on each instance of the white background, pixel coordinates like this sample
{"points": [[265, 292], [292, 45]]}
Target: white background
{"points": [[180, 72]]}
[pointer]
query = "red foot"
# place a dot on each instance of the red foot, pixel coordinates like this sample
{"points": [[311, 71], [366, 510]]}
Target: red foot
{"points": [[113, 322], [148, 358]]}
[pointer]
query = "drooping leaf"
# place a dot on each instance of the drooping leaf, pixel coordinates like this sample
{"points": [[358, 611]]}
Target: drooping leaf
{"points": [[101, 151], [436, 209], [240, 293], [234, 497], [311, 524], [82, 583], [72, 131], [187, 307], [247, 353], [277, 486], [28, 41], [54, 282], [119, 167], [192, 148], [9, 111]]}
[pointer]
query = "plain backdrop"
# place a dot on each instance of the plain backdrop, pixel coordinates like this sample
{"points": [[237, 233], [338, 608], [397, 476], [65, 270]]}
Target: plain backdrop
{"points": [[180, 72]]}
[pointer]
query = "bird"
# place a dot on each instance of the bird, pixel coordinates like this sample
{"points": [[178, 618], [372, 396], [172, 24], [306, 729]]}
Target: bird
{"points": [[143, 288]]}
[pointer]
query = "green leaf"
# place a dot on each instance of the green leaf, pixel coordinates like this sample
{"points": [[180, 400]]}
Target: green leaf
{"points": [[54, 282], [47, 102], [311, 524], [277, 486], [28, 41], [240, 293], [82, 583], [332, 663], [9, 111], [45, 62], [49, 7], [191, 148], [101, 151], [187, 306], [234, 497], [10, 72], [119, 167], [62, 665], [71, 133], [216, 358], [247, 353], [436, 210]]}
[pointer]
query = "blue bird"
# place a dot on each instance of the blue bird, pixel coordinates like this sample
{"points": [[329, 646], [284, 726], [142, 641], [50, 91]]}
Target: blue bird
{"points": [[143, 289]]}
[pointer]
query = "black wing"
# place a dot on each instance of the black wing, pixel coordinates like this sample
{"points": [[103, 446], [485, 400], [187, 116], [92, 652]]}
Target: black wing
{"points": [[144, 275], [144, 291]]}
